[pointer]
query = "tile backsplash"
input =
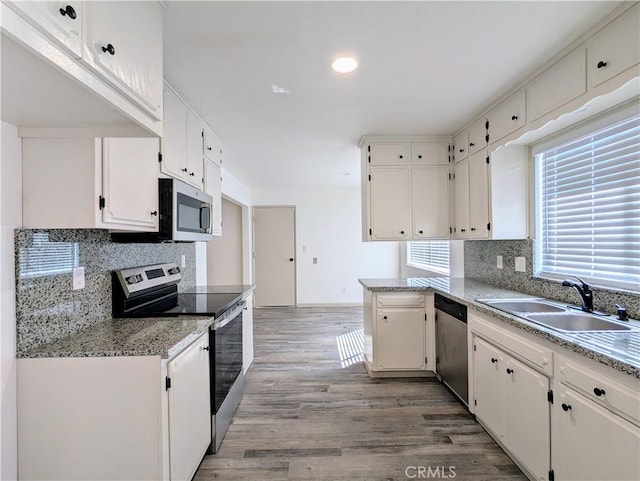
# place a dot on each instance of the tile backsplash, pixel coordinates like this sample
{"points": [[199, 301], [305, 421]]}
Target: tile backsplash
{"points": [[47, 308], [480, 263]]}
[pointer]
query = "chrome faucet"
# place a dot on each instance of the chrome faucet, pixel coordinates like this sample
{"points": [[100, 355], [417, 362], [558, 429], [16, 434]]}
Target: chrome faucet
{"points": [[586, 294]]}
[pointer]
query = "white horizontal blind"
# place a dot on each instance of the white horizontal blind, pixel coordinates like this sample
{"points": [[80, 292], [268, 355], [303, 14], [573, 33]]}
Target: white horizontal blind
{"points": [[45, 258], [431, 255], [589, 206]]}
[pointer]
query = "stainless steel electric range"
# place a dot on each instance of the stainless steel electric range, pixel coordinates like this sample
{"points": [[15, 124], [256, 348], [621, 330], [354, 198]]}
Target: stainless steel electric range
{"points": [[152, 291]]}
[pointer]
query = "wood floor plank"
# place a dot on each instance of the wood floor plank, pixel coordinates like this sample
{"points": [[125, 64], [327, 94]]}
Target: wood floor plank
{"points": [[307, 414]]}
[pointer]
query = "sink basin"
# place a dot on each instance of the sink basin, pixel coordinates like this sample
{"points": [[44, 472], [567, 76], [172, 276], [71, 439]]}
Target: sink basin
{"points": [[520, 306], [576, 322]]}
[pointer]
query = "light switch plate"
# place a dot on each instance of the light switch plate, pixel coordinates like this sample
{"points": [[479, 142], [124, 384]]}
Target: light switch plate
{"points": [[521, 264], [499, 263], [78, 278]]}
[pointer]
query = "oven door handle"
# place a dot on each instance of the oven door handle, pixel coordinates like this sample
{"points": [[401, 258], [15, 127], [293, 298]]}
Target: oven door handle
{"points": [[229, 316]]}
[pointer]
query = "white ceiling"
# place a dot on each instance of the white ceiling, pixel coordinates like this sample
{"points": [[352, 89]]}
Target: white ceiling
{"points": [[426, 68]]}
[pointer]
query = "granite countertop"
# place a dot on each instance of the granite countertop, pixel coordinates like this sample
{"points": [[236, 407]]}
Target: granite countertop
{"points": [[147, 336], [618, 349]]}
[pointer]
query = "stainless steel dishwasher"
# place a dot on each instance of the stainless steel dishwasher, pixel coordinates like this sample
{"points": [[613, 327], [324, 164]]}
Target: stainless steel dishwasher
{"points": [[451, 346]]}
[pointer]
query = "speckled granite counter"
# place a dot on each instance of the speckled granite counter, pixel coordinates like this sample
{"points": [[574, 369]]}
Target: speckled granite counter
{"points": [[157, 336], [618, 349]]}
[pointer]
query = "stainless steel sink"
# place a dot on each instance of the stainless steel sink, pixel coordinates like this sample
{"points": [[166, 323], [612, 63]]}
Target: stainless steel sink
{"points": [[576, 322], [516, 306]]}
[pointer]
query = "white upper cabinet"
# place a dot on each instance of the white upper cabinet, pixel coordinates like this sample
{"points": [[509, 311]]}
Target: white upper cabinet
{"points": [[615, 48], [477, 136], [212, 146], [430, 202], [123, 43], [174, 139], [389, 153], [562, 82], [461, 146], [479, 195], [390, 198], [429, 153], [195, 155], [461, 199], [507, 117], [61, 21]]}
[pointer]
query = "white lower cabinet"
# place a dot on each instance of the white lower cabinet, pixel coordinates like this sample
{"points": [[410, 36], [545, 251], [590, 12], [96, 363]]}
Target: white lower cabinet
{"points": [[90, 183], [398, 331], [590, 442], [189, 409], [511, 400]]}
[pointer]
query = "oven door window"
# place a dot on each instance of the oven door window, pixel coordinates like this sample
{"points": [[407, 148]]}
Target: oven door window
{"points": [[227, 359], [193, 214]]}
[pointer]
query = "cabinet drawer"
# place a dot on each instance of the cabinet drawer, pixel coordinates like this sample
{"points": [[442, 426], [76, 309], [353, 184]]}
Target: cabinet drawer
{"points": [[507, 117], [400, 300], [536, 355], [596, 387], [615, 48], [461, 146], [562, 82]]}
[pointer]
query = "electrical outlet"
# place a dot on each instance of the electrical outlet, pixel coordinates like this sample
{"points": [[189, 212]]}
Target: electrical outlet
{"points": [[315, 260], [521, 264], [78, 278], [184, 261], [344, 290], [304, 248], [499, 263]]}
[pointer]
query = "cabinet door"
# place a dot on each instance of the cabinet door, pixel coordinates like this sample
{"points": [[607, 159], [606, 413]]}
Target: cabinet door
{"points": [[212, 146], [461, 199], [615, 48], [562, 82], [400, 339], [478, 136], [174, 141], [130, 183], [189, 409], [489, 364], [429, 153], [478, 195], [430, 200], [461, 146], [123, 43], [61, 21], [390, 203], [195, 165], [591, 443], [389, 153], [507, 117], [527, 426], [213, 187]]}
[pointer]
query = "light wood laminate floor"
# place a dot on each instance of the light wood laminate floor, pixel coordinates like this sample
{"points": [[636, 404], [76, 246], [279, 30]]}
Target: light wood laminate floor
{"points": [[307, 414]]}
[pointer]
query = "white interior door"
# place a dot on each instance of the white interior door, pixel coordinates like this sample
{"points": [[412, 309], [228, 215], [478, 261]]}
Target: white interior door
{"points": [[274, 250]]}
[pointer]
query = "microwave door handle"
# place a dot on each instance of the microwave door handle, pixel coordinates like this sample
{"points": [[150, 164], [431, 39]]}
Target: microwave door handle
{"points": [[205, 217]]}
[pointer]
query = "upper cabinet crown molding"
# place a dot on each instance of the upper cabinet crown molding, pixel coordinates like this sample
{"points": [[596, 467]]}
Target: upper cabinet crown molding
{"points": [[57, 74]]}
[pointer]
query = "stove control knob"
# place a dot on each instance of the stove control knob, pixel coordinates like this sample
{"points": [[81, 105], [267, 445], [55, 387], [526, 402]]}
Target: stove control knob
{"points": [[132, 279], [174, 270], [139, 278]]}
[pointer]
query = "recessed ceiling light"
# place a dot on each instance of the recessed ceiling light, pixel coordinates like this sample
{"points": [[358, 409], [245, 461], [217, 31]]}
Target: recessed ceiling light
{"points": [[344, 64]]}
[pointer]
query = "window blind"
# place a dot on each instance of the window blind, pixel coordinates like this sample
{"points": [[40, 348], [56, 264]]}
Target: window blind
{"points": [[432, 255], [45, 258], [588, 202]]}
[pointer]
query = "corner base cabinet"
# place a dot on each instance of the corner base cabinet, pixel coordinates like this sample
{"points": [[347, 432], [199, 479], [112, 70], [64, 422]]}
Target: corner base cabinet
{"points": [[398, 332]]}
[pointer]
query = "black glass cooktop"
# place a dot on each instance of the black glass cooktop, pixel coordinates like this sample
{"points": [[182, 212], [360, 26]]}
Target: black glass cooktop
{"points": [[205, 304]]}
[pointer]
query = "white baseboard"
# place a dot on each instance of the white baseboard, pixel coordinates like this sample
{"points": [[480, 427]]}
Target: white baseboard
{"points": [[346, 304]]}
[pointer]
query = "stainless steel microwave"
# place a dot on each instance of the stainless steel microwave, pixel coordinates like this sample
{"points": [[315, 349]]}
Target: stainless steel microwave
{"points": [[184, 214]]}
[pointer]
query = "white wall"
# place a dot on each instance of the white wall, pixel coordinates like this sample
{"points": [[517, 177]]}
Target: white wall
{"points": [[10, 219], [224, 254], [328, 227]]}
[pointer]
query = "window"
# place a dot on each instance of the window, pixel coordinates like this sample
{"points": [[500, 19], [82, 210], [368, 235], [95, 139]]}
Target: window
{"points": [[430, 255], [45, 258], [588, 203]]}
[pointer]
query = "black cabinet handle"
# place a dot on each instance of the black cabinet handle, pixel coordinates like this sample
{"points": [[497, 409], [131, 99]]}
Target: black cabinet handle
{"points": [[461, 150], [154, 213], [192, 174], [402, 232], [514, 117], [598, 391], [384, 317], [109, 48], [184, 170], [205, 348], [509, 371], [471, 144], [69, 11], [473, 229], [419, 156], [493, 360], [566, 407], [290, 259], [463, 230], [208, 148], [420, 232], [601, 64]]}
